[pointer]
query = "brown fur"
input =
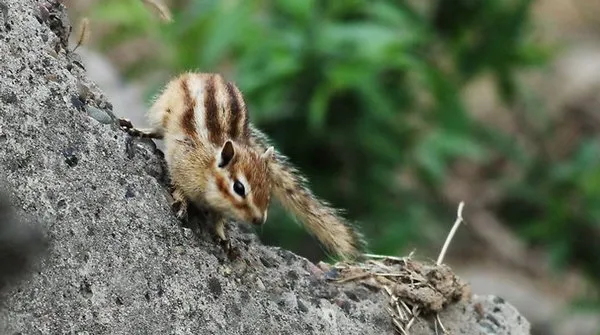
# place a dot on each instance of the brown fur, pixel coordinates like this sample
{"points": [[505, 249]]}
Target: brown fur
{"points": [[234, 110], [187, 120], [212, 117]]}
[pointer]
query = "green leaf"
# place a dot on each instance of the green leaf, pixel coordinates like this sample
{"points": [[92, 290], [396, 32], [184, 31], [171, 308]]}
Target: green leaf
{"points": [[366, 41], [300, 10], [129, 13]]}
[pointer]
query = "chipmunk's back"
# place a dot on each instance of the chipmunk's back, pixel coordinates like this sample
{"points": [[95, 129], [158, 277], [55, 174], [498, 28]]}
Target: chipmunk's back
{"points": [[203, 107]]}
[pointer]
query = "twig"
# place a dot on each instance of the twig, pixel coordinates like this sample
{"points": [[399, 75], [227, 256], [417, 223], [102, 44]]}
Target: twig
{"points": [[412, 320], [381, 265], [385, 257], [400, 312], [458, 221], [437, 316], [359, 276], [383, 274], [406, 307], [399, 326]]}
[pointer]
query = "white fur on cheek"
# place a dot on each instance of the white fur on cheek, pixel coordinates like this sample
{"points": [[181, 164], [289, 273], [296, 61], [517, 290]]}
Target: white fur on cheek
{"points": [[211, 191], [215, 199]]}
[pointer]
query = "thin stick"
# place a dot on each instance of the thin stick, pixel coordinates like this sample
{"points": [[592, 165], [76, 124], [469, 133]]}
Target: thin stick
{"points": [[360, 276], [381, 265], [437, 316], [458, 221], [406, 307], [399, 326], [400, 312], [383, 274], [412, 320], [384, 257]]}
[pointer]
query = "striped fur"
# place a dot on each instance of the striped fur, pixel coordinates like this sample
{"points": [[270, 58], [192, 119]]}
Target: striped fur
{"points": [[202, 118]]}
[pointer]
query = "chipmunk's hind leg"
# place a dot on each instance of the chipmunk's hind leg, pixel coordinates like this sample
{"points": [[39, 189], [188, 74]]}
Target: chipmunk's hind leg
{"points": [[127, 126]]}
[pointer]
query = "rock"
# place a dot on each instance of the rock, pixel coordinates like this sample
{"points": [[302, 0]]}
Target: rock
{"points": [[118, 261]]}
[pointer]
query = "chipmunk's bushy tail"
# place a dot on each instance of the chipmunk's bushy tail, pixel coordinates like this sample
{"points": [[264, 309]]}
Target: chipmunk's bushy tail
{"points": [[320, 219]]}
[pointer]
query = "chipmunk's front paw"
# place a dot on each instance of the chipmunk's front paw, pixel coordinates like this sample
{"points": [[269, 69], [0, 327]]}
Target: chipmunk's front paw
{"points": [[230, 250], [220, 230], [128, 127], [224, 241], [180, 208], [179, 204], [226, 245], [219, 235], [125, 124]]}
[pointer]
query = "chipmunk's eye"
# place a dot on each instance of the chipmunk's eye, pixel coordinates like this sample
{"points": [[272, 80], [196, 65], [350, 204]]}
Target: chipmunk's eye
{"points": [[239, 188]]}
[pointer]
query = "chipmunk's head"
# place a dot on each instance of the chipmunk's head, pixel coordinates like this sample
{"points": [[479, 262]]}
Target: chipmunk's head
{"points": [[241, 186]]}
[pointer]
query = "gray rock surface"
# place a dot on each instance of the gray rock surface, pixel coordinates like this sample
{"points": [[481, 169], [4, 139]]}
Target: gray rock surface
{"points": [[118, 261]]}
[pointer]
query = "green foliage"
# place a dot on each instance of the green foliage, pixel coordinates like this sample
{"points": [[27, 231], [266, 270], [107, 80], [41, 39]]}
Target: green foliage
{"points": [[359, 92]]}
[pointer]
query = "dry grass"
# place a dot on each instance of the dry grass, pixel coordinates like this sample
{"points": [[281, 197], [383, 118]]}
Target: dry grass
{"points": [[159, 9], [83, 34], [415, 289]]}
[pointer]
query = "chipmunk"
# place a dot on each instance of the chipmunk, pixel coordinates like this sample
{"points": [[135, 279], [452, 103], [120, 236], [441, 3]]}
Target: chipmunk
{"points": [[218, 160]]}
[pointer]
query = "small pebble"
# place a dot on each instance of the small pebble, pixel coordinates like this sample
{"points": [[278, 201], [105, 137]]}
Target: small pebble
{"points": [[332, 274], [323, 266], [288, 300], [313, 269], [98, 114], [302, 306], [83, 90], [260, 284]]}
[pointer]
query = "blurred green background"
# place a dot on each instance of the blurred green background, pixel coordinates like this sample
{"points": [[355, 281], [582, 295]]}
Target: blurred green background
{"points": [[368, 98]]}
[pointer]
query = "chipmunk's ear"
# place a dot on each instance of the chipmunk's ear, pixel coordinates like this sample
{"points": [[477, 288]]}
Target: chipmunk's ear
{"points": [[268, 154], [227, 153]]}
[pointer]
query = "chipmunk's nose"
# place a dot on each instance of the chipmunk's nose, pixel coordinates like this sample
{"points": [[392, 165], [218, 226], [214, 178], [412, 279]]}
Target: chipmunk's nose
{"points": [[259, 220]]}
